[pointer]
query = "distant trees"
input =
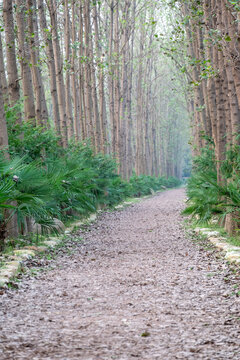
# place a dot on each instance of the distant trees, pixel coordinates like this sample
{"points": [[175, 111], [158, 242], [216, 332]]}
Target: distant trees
{"points": [[94, 70]]}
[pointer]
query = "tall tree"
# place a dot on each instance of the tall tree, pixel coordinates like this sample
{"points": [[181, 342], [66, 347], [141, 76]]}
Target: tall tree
{"points": [[51, 64], [52, 6], [12, 72], [3, 125], [3, 74], [40, 101], [24, 59], [67, 43]]}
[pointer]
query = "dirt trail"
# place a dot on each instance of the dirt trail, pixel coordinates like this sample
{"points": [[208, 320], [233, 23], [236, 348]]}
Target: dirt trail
{"points": [[135, 288]]}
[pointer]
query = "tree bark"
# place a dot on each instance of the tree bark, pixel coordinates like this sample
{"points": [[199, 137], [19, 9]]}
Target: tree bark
{"points": [[3, 125], [40, 101], [101, 96], [51, 65], [87, 76], [24, 59], [3, 78], [13, 79], [59, 72], [74, 81], [69, 110]]}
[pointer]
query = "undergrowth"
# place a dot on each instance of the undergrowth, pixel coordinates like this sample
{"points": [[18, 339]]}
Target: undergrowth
{"points": [[207, 198], [212, 200], [43, 181]]}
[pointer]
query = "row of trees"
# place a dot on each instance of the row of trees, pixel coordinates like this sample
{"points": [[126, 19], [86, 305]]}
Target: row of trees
{"points": [[212, 65], [213, 37], [94, 70]]}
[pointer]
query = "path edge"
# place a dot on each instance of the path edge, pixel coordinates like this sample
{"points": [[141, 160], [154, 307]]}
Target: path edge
{"points": [[14, 266]]}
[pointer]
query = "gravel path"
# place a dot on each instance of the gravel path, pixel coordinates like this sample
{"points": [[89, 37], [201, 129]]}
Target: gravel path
{"points": [[136, 287]]}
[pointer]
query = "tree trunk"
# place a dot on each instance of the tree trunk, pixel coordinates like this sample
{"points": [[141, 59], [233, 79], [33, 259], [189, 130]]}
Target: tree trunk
{"points": [[24, 59], [116, 81], [3, 125], [51, 65], [40, 101], [87, 76], [59, 72], [82, 105], [74, 80], [102, 101], [69, 111], [13, 79], [3, 78]]}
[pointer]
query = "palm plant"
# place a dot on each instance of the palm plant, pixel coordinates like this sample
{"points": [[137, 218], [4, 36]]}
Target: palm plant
{"points": [[23, 192], [206, 197], [75, 182]]}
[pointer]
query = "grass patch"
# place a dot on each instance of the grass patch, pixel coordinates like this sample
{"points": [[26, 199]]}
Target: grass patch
{"points": [[233, 240], [20, 243]]}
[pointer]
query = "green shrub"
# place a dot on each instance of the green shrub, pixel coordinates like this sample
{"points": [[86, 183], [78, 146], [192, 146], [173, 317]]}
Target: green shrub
{"points": [[172, 182], [203, 198], [44, 181], [206, 197], [28, 140]]}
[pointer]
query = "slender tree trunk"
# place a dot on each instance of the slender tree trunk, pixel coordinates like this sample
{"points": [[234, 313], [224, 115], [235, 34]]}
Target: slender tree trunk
{"points": [[83, 111], [130, 52], [51, 65], [59, 72], [110, 80], [3, 78], [102, 101], [4, 148], [69, 111], [116, 80], [140, 102], [74, 80], [40, 102], [232, 64], [87, 76], [24, 58], [96, 120], [125, 30], [3, 125], [13, 79]]}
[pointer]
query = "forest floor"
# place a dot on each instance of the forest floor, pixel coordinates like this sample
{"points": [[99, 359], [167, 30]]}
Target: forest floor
{"points": [[136, 286]]}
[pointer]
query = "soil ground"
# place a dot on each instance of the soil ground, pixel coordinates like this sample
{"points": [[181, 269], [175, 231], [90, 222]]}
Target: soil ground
{"points": [[136, 287]]}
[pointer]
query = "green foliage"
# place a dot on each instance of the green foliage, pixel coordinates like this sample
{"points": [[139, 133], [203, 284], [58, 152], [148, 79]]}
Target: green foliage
{"points": [[235, 4], [23, 191], [74, 184], [145, 184], [26, 139], [207, 197], [44, 181], [201, 190]]}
